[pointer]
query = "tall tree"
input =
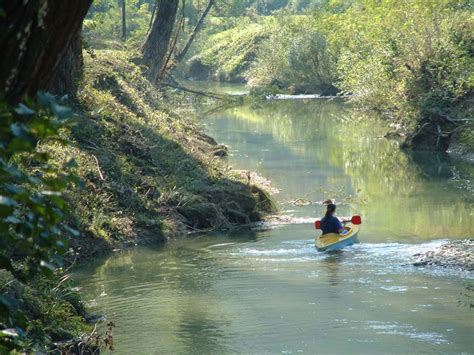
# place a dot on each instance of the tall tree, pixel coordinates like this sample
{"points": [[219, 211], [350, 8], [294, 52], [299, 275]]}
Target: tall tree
{"points": [[34, 37], [158, 40], [124, 20]]}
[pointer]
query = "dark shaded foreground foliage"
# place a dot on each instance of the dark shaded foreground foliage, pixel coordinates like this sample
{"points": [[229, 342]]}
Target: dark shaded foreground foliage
{"points": [[37, 306]]}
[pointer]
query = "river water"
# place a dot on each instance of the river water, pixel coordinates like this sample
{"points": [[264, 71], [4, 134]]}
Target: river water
{"points": [[268, 290]]}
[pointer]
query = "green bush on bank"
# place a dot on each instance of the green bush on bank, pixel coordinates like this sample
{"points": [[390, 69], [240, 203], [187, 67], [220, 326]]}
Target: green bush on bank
{"points": [[45, 310], [415, 59], [36, 305], [295, 56], [230, 52]]}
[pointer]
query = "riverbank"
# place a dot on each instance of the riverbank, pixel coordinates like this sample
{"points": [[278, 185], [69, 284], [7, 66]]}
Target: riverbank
{"points": [[149, 172], [400, 66], [260, 283]]}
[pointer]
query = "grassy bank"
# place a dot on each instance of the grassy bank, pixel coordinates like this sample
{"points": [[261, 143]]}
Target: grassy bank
{"points": [[149, 172]]}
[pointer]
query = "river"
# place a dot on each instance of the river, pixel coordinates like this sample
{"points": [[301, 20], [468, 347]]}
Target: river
{"points": [[268, 290]]}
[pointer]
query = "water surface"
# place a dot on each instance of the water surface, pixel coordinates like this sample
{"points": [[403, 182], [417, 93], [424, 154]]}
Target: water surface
{"points": [[270, 291]]}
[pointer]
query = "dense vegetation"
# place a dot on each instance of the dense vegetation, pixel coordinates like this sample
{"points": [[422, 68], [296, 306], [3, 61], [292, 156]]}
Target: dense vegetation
{"points": [[148, 170], [413, 63]]}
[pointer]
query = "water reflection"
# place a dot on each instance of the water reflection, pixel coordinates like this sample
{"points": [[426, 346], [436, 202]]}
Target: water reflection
{"points": [[332, 264], [318, 146]]}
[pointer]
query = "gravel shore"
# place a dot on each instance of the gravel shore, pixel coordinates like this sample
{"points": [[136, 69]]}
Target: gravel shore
{"points": [[456, 253]]}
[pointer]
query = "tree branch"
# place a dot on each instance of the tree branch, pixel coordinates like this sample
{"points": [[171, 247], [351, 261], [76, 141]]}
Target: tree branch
{"points": [[199, 24], [98, 168]]}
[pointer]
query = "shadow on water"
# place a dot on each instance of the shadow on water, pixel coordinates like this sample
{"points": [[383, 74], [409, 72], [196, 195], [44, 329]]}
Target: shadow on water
{"points": [[332, 264]]}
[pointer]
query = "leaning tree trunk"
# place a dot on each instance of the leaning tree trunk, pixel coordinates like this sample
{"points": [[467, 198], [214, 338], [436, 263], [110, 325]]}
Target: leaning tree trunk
{"points": [[196, 30], [156, 45], [34, 37]]}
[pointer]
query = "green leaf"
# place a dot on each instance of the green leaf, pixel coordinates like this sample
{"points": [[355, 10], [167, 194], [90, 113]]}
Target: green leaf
{"points": [[23, 110], [15, 189], [8, 333], [34, 180], [47, 266], [18, 130], [7, 201], [61, 111], [72, 231], [45, 99], [71, 163], [20, 145], [8, 301], [50, 193], [12, 220], [5, 263]]}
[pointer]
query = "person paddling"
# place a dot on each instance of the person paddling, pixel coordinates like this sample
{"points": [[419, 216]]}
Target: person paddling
{"points": [[330, 223]]}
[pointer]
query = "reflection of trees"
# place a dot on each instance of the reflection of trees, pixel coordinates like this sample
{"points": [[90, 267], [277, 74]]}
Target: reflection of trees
{"points": [[163, 299], [346, 148], [332, 263]]}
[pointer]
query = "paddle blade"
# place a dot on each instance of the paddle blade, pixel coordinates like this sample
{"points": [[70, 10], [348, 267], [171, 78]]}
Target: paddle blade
{"points": [[317, 224], [356, 220]]}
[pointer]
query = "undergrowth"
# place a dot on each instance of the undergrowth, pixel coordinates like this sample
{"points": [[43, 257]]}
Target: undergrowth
{"points": [[52, 309]]}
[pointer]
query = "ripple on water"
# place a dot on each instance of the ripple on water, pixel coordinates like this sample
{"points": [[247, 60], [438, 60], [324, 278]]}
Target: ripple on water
{"points": [[394, 328], [394, 288]]}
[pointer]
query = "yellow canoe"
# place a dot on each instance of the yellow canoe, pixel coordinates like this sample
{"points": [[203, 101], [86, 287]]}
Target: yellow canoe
{"points": [[334, 241]]}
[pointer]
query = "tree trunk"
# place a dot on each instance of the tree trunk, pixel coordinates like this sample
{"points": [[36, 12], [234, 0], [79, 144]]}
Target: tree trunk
{"points": [[196, 30], [156, 45], [34, 36], [152, 18], [124, 20], [69, 71]]}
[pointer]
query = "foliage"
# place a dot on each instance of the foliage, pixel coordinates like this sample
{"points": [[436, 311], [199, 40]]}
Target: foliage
{"points": [[103, 25], [295, 56], [415, 58], [411, 62], [231, 51], [49, 309], [267, 7], [32, 209]]}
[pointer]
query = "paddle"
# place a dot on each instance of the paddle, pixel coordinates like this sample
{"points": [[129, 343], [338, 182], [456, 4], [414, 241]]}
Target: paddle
{"points": [[354, 219]]}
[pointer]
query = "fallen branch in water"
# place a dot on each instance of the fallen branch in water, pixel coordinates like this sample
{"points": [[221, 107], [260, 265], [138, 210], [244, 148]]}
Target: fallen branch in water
{"points": [[197, 92]]}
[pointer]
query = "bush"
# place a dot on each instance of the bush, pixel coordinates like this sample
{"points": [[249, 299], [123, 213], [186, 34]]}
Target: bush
{"points": [[414, 61], [295, 56], [32, 210]]}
